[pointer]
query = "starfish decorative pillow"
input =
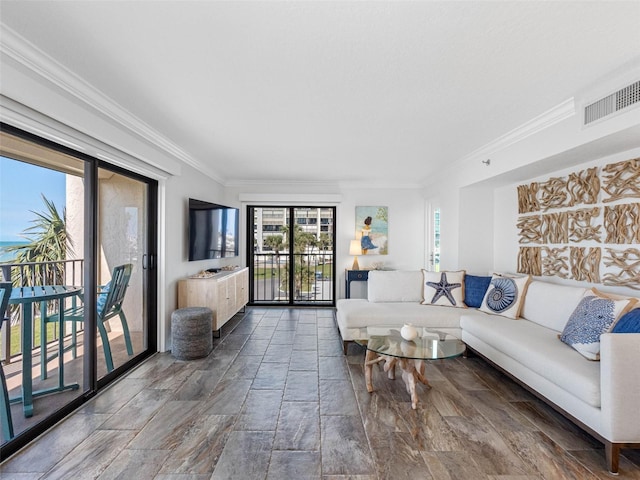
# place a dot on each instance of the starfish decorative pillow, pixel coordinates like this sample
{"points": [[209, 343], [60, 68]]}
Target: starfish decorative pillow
{"points": [[443, 288]]}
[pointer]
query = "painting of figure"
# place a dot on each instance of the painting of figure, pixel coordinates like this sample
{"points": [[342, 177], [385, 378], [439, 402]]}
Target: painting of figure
{"points": [[372, 230]]}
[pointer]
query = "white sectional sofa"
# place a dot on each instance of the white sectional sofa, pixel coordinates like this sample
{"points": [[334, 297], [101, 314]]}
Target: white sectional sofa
{"points": [[603, 397]]}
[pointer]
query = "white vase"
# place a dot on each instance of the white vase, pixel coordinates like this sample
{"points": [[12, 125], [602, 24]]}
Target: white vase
{"points": [[408, 332]]}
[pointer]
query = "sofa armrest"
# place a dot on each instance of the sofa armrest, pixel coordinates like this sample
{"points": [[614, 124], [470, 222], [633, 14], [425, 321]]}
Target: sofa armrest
{"points": [[620, 386]]}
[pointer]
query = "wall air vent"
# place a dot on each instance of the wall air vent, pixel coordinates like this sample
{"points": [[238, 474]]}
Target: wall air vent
{"points": [[623, 98]]}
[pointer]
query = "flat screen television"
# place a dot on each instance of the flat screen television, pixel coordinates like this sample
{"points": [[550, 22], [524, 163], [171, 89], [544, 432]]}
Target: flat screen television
{"points": [[213, 230]]}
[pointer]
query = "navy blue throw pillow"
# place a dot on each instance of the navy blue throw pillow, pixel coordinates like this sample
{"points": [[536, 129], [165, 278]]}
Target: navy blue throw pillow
{"points": [[628, 323], [474, 290]]}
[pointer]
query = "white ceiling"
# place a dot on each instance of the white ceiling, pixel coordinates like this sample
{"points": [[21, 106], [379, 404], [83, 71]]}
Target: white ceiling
{"points": [[374, 92]]}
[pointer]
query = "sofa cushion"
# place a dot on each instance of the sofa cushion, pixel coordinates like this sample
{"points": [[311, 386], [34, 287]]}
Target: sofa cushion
{"points": [[475, 287], [505, 295], [551, 305], [443, 288], [593, 316], [358, 313], [394, 286], [538, 349]]}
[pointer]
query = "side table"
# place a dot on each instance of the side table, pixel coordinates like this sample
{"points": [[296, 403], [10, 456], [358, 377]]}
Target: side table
{"points": [[354, 276]]}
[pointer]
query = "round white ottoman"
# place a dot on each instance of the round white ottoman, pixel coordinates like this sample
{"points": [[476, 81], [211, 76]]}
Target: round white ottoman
{"points": [[191, 335]]}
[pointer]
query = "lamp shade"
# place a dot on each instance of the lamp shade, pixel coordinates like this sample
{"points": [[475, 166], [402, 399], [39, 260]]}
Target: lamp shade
{"points": [[355, 248]]}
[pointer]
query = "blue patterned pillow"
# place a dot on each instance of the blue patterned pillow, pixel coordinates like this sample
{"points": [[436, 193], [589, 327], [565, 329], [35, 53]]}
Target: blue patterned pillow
{"points": [[593, 316], [628, 323], [102, 297], [505, 295], [474, 289]]}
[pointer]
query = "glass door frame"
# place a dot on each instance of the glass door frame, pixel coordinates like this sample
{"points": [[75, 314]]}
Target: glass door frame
{"points": [[91, 384], [291, 222]]}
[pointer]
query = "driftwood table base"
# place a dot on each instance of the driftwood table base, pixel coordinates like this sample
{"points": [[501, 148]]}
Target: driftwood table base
{"points": [[412, 372]]}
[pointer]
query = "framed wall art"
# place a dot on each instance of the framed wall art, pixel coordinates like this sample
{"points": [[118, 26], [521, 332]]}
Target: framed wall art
{"points": [[372, 229]]}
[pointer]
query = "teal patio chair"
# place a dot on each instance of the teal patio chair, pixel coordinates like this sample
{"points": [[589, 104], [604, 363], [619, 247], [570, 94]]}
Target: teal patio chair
{"points": [[5, 408], [109, 303]]}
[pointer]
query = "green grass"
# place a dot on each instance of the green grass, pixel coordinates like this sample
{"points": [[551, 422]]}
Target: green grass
{"points": [[16, 344], [268, 271]]}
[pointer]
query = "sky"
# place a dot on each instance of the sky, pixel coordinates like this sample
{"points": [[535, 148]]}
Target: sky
{"points": [[21, 185]]}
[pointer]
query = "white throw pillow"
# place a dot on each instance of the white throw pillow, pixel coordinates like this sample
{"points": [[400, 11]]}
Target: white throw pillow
{"points": [[443, 288], [595, 314], [505, 295]]}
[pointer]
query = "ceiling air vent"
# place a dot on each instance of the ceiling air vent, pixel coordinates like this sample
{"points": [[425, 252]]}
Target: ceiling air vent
{"points": [[615, 102]]}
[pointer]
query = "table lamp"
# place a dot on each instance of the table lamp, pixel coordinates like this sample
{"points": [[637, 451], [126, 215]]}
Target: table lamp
{"points": [[355, 249]]}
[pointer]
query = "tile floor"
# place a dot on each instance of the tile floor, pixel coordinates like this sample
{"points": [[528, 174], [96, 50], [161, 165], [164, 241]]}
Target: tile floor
{"points": [[277, 399]]}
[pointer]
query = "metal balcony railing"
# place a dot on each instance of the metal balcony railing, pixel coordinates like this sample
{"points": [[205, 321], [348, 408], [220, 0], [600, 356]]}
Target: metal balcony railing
{"points": [[312, 277], [62, 272]]}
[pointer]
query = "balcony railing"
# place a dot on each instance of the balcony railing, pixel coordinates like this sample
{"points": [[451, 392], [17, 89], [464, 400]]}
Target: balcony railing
{"points": [[313, 277], [62, 272]]}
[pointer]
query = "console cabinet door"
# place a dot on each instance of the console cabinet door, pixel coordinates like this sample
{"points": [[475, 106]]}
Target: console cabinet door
{"points": [[222, 305], [242, 290]]}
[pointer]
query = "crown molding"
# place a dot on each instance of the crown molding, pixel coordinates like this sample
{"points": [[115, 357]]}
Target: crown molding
{"points": [[237, 183], [554, 115], [292, 198], [39, 63], [29, 120]]}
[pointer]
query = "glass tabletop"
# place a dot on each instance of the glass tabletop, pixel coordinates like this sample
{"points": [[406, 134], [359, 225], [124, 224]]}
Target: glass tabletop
{"points": [[429, 345]]}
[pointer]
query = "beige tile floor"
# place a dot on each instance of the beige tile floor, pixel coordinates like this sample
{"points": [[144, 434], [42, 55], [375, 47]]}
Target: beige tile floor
{"points": [[277, 399]]}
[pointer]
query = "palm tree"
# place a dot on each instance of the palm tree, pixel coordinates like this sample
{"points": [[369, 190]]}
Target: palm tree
{"points": [[275, 243], [48, 242], [302, 274]]}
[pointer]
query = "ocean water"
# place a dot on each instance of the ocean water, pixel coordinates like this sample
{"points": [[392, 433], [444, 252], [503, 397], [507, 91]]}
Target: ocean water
{"points": [[5, 256]]}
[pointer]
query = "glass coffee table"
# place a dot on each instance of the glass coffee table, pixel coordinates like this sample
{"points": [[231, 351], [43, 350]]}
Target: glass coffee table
{"points": [[385, 344]]}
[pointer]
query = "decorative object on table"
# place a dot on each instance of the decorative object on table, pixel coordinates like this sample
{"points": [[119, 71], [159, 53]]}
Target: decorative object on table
{"points": [[372, 229], [377, 266], [443, 288], [408, 332], [355, 250]]}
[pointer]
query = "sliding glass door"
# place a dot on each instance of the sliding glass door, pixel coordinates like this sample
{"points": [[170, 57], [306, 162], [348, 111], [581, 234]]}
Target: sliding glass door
{"points": [[77, 244], [123, 236], [290, 255]]}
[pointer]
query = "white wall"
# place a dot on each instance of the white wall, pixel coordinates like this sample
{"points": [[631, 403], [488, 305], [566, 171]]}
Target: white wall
{"points": [[476, 230], [406, 219], [174, 259]]}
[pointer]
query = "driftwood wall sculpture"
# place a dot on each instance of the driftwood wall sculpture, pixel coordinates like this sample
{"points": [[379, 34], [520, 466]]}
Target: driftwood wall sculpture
{"points": [[621, 180], [626, 268], [566, 219], [555, 262], [582, 225], [529, 260], [622, 223]]}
